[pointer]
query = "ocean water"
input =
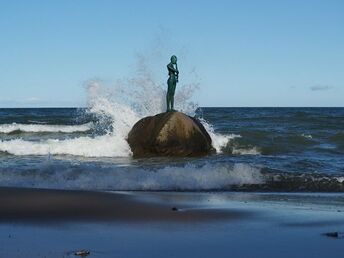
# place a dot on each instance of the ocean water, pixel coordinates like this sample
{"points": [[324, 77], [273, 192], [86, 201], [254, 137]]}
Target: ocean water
{"points": [[258, 149]]}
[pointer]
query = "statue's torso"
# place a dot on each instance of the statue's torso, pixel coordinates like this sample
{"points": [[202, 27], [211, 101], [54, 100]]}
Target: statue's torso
{"points": [[171, 67]]}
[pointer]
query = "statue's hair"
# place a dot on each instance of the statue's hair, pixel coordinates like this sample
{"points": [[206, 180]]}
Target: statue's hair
{"points": [[173, 57]]}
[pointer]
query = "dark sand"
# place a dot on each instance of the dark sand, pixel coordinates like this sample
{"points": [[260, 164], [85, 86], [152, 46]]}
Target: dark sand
{"points": [[54, 223], [39, 205]]}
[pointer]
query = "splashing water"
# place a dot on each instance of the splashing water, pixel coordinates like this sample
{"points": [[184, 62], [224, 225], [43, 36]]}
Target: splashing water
{"points": [[117, 107], [219, 141], [130, 100], [126, 104]]}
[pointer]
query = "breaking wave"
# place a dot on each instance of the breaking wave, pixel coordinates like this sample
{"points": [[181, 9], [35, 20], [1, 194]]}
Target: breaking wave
{"points": [[37, 128], [277, 181], [219, 141], [206, 176], [168, 178], [100, 146]]}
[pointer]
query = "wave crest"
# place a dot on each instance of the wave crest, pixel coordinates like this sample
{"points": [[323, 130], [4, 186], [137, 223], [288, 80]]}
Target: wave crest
{"points": [[100, 146], [190, 177], [38, 128]]}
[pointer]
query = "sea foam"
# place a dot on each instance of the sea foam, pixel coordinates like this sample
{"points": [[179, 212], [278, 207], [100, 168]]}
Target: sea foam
{"points": [[167, 178], [100, 146], [36, 128]]}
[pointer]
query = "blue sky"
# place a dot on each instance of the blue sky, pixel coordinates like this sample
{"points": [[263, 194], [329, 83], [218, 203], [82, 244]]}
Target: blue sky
{"points": [[246, 53]]}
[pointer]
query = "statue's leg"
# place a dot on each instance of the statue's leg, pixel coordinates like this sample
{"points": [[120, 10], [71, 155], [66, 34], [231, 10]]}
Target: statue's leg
{"points": [[168, 95], [172, 103], [167, 102], [172, 95]]}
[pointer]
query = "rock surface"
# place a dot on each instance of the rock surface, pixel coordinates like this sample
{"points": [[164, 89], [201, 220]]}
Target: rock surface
{"points": [[169, 134]]}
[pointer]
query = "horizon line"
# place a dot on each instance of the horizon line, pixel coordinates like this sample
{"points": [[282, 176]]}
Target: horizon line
{"points": [[196, 109]]}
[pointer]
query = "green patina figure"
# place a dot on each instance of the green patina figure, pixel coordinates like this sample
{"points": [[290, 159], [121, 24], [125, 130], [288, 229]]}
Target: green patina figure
{"points": [[171, 82]]}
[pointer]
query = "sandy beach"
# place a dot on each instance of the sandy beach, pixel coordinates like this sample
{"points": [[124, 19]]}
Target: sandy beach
{"points": [[58, 223]]}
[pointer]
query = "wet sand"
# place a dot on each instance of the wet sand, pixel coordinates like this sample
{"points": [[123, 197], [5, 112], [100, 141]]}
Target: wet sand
{"points": [[56, 223], [41, 205]]}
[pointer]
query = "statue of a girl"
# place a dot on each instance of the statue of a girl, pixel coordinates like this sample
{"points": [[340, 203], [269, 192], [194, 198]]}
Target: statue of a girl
{"points": [[171, 82]]}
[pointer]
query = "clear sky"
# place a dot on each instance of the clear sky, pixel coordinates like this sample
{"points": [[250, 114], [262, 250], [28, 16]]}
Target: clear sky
{"points": [[246, 53]]}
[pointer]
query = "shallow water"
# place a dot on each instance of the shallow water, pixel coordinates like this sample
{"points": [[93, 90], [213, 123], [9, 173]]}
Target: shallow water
{"points": [[258, 149]]}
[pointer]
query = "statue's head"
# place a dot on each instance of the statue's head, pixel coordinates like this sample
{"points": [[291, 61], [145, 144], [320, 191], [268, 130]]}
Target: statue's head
{"points": [[173, 59]]}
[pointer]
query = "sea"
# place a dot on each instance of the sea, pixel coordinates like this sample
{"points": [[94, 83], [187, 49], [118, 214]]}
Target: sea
{"points": [[257, 150]]}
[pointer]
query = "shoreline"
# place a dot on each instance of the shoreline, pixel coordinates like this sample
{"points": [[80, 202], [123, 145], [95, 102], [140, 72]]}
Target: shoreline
{"points": [[30, 205], [56, 223], [39, 204]]}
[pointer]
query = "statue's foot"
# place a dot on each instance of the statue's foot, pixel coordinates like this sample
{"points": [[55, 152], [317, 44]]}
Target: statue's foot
{"points": [[173, 110]]}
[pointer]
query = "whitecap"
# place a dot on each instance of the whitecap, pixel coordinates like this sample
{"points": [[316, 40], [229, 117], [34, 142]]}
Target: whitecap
{"points": [[100, 146], [37, 128], [190, 177]]}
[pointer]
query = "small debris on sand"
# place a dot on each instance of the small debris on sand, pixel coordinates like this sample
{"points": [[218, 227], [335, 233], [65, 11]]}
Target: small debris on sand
{"points": [[175, 209], [82, 253]]}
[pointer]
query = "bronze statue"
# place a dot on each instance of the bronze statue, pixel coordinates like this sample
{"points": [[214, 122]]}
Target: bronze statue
{"points": [[171, 82]]}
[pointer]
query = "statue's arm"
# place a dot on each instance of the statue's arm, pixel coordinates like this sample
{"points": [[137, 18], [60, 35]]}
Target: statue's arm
{"points": [[171, 67]]}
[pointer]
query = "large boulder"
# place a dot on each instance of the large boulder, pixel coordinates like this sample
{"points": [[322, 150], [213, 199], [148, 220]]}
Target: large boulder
{"points": [[169, 134]]}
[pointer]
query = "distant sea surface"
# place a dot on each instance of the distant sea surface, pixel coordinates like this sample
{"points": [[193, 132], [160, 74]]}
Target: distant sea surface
{"points": [[258, 149]]}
